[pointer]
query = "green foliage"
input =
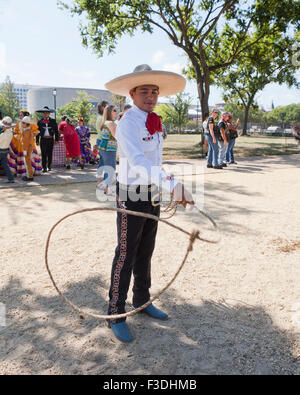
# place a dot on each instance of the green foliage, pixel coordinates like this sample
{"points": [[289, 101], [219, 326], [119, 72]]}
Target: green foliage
{"points": [[211, 33], [175, 113], [79, 107], [267, 61], [9, 103], [119, 101], [288, 114], [256, 115]]}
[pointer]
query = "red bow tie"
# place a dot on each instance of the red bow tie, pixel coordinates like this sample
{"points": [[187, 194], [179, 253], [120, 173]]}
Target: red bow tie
{"points": [[46, 121], [153, 123]]}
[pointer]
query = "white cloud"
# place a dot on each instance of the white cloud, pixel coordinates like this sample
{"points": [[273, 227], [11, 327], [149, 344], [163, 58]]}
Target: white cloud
{"points": [[158, 57], [173, 67]]}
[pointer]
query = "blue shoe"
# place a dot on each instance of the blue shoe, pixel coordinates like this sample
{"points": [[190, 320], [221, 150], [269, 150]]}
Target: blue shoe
{"points": [[154, 312], [121, 332]]}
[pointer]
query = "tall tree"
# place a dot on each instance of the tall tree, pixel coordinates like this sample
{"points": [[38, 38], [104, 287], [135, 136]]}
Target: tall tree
{"points": [[284, 114], [211, 33], [269, 60], [119, 101], [79, 107], [175, 114], [9, 102]]}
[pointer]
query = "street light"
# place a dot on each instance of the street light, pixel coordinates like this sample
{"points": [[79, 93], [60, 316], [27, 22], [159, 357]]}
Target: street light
{"points": [[54, 97]]}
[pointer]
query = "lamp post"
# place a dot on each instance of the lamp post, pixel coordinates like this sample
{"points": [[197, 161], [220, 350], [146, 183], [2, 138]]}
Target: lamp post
{"points": [[54, 92]]}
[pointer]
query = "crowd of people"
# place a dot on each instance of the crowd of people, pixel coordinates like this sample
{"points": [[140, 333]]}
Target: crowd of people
{"points": [[220, 137], [63, 144], [59, 145]]}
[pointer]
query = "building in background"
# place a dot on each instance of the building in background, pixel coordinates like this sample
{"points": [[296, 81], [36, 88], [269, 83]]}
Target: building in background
{"points": [[56, 97], [21, 91]]}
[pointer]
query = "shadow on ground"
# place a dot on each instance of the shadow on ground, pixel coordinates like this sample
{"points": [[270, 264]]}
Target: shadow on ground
{"points": [[43, 336]]}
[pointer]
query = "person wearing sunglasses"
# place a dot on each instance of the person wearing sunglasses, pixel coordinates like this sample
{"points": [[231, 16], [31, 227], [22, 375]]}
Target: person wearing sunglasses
{"points": [[108, 149], [212, 135]]}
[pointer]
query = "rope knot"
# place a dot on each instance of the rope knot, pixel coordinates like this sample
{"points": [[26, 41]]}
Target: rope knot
{"points": [[194, 235]]}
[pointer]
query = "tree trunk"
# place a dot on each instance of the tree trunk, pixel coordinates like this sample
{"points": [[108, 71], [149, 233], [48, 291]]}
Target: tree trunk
{"points": [[246, 116], [203, 97]]}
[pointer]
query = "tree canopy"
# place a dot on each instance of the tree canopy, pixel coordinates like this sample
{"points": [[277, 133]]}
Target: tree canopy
{"points": [[269, 60], [175, 113], [211, 33], [9, 102], [79, 107], [285, 114]]}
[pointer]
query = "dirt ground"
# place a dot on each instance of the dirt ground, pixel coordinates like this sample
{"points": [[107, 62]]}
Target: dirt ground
{"points": [[234, 309]]}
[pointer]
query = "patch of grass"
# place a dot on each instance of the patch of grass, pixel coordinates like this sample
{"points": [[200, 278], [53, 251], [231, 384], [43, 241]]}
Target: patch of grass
{"points": [[182, 146], [187, 146]]}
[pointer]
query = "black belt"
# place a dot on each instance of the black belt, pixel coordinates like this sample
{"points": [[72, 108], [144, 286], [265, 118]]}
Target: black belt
{"points": [[137, 188]]}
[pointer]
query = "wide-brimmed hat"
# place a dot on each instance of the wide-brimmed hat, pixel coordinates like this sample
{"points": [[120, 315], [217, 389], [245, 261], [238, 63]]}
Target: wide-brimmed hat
{"points": [[27, 120], [46, 109], [169, 83], [7, 122]]}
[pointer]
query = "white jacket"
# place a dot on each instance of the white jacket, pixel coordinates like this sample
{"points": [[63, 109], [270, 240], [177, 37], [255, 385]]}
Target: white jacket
{"points": [[5, 139], [140, 153]]}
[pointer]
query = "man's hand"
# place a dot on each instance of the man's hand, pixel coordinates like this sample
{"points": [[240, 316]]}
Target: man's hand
{"points": [[182, 196]]}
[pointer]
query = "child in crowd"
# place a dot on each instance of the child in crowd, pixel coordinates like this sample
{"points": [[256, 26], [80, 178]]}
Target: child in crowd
{"points": [[96, 153]]}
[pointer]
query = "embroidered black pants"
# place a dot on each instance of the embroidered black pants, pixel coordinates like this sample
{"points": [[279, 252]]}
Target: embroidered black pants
{"points": [[136, 242], [47, 146]]}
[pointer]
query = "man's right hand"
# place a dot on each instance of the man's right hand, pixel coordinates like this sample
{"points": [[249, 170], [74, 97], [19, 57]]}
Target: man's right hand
{"points": [[182, 196]]}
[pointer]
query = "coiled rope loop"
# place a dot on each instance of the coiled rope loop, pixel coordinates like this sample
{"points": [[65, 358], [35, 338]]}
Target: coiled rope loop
{"points": [[195, 235]]}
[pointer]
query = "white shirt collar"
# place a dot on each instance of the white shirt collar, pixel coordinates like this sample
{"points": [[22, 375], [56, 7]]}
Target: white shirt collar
{"points": [[139, 111]]}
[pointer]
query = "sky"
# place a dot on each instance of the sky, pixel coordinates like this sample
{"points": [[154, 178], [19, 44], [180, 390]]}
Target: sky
{"points": [[41, 45]]}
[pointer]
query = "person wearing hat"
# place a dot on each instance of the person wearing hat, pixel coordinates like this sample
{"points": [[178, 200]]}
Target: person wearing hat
{"points": [[29, 132], [6, 136], [48, 131], [140, 140], [35, 160]]}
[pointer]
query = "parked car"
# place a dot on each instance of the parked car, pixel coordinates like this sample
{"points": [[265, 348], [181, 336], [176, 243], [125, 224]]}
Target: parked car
{"points": [[288, 133], [274, 131]]}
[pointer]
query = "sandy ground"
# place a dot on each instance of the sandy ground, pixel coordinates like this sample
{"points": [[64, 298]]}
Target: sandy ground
{"points": [[235, 308]]}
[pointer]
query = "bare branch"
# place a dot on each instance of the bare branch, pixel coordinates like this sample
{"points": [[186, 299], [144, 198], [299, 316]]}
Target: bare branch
{"points": [[216, 19]]}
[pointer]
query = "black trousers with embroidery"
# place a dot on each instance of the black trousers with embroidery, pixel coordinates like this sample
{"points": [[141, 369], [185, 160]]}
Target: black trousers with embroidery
{"points": [[136, 242], [47, 146]]}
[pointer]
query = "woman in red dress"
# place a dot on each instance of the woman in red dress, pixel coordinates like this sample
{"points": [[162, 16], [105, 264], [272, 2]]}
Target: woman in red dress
{"points": [[71, 141]]}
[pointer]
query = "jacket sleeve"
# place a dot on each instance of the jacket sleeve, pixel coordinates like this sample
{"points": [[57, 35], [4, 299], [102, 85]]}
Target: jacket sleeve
{"points": [[37, 138]]}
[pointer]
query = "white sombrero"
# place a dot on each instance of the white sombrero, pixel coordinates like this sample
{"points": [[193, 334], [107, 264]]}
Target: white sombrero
{"points": [[27, 120], [7, 123], [168, 83]]}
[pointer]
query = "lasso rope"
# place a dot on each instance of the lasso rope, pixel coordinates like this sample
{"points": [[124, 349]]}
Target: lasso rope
{"points": [[195, 235]]}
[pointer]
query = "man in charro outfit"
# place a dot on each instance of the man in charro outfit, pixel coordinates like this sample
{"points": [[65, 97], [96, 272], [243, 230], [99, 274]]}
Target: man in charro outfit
{"points": [[140, 141], [48, 134]]}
